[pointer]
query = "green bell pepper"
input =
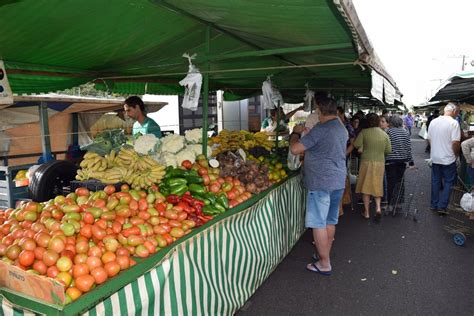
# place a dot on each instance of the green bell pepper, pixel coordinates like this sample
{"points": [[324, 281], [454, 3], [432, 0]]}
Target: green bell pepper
{"points": [[196, 188], [222, 199], [179, 190], [172, 182], [210, 210], [219, 206], [194, 179]]}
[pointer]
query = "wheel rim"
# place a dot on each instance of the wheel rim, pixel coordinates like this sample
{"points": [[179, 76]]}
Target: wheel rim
{"points": [[459, 239]]}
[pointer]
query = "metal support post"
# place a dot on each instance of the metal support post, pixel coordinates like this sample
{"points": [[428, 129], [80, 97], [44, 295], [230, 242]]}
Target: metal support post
{"points": [[45, 139], [75, 129], [205, 95]]}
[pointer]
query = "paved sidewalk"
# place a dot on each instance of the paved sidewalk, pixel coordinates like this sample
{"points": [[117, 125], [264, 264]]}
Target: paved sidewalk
{"points": [[397, 267]]}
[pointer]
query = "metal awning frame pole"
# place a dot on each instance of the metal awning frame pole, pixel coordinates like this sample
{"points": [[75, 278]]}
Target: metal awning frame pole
{"points": [[205, 95], [44, 126]]}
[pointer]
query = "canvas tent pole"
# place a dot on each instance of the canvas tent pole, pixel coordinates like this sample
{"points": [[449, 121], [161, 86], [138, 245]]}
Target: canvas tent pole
{"points": [[45, 139], [75, 128], [276, 51], [205, 96]]}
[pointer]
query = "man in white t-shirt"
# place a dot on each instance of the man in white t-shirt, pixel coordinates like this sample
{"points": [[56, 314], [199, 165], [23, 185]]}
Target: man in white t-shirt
{"points": [[444, 136]]}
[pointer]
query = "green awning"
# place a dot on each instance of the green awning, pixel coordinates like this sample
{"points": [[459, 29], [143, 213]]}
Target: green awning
{"points": [[136, 47], [459, 88]]}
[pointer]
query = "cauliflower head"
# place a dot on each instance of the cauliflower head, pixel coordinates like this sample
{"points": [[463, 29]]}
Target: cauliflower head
{"points": [[197, 148], [146, 144], [186, 154], [193, 136], [169, 159], [172, 143]]}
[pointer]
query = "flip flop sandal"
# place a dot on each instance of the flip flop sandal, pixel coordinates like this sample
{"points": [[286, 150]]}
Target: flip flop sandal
{"points": [[314, 268], [363, 215], [378, 217]]}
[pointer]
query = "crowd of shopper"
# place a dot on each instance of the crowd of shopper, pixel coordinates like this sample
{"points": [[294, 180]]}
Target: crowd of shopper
{"points": [[383, 148], [382, 143]]}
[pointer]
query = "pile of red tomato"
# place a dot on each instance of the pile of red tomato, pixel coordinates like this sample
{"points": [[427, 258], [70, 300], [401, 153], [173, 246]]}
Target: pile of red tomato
{"points": [[85, 238]]}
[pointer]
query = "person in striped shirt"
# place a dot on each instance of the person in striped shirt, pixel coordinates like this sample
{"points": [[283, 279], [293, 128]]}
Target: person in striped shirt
{"points": [[396, 161]]}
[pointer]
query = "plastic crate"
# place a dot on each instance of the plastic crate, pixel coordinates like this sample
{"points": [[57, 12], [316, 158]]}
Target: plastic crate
{"points": [[92, 185]]}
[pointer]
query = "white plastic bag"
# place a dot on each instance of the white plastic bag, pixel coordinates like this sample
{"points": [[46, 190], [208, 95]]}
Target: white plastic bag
{"points": [[192, 84], [267, 93], [467, 202], [293, 161], [308, 100], [272, 98]]}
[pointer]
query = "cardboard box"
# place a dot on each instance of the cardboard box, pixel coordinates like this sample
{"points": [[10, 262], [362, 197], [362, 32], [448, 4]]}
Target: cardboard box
{"points": [[32, 285]]}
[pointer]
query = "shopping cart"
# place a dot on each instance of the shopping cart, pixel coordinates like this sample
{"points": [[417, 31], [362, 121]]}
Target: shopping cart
{"points": [[402, 198], [352, 173], [458, 223]]}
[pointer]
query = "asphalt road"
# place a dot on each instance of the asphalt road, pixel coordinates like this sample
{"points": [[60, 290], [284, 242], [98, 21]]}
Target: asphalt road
{"points": [[397, 267]]}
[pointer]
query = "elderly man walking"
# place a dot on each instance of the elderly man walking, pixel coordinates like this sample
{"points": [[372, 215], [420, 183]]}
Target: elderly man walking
{"points": [[444, 137], [325, 175]]}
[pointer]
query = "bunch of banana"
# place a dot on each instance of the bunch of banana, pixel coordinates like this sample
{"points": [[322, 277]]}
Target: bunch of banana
{"points": [[145, 178], [110, 158], [127, 157], [93, 162], [126, 166], [261, 139]]}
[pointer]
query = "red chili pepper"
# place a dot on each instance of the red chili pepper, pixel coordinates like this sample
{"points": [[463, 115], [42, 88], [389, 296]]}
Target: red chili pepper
{"points": [[187, 198], [198, 209], [197, 202], [205, 218], [173, 199]]}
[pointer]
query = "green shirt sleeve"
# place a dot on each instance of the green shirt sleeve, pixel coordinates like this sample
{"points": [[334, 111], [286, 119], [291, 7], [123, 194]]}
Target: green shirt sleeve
{"points": [[149, 126], [359, 140], [153, 128]]}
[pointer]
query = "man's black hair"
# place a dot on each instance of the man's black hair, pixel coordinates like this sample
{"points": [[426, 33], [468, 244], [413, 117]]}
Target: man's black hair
{"points": [[327, 106], [135, 101]]}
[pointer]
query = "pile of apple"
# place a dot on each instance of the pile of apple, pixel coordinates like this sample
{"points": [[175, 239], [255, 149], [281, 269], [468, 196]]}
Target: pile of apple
{"points": [[85, 238]]}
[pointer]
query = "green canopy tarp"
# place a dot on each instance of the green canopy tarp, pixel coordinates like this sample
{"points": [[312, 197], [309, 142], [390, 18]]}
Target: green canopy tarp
{"points": [[136, 47], [459, 88]]}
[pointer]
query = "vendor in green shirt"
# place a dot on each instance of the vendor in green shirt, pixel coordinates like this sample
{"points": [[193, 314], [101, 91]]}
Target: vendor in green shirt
{"points": [[269, 123], [135, 109]]}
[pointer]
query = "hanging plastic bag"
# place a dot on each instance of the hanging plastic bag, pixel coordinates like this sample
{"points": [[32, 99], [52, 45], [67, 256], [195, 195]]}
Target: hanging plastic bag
{"points": [[192, 85], [267, 92], [277, 98], [272, 98], [308, 100]]}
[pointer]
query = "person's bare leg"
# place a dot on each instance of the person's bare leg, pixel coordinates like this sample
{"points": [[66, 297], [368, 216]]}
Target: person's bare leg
{"points": [[366, 199], [323, 245], [331, 229], [377, 204]]}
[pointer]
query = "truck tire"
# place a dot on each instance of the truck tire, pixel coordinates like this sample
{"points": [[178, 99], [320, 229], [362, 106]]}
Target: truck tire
{"points": [[50, 179]]}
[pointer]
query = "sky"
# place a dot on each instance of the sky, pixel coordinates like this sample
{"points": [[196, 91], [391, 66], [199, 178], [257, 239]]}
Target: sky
{"points": [[420, 42]]}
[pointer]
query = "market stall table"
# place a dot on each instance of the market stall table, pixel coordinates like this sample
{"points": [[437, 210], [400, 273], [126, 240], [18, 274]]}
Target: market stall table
{"points": [[214, 270]]}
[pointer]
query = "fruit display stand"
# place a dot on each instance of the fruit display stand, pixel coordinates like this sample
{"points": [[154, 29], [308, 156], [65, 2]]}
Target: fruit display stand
{"points": [[213, 270]]}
